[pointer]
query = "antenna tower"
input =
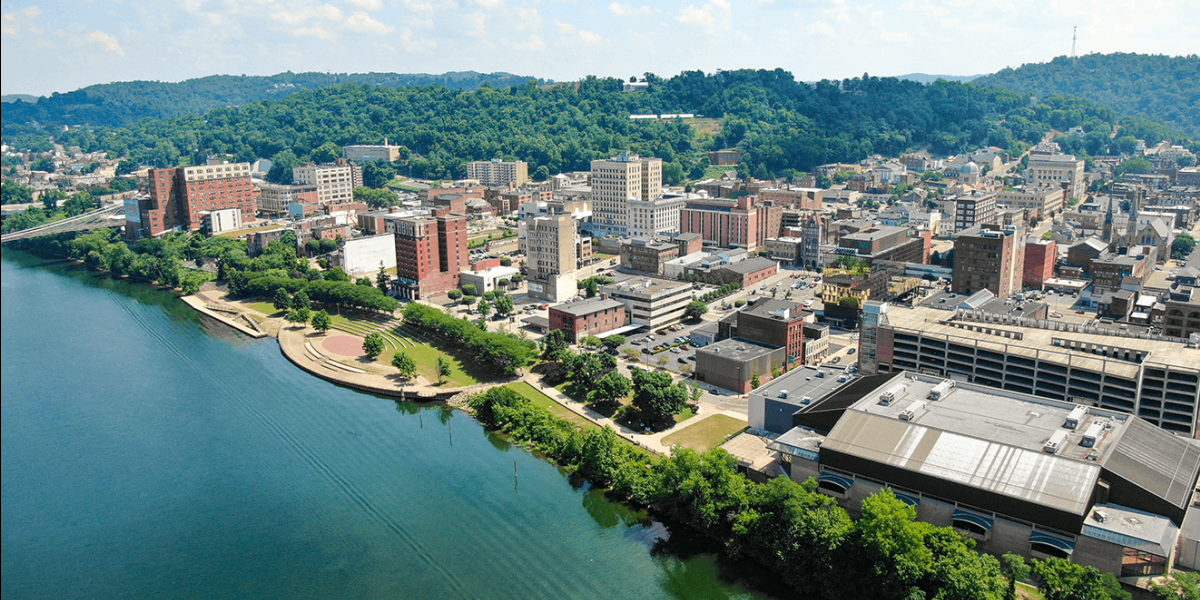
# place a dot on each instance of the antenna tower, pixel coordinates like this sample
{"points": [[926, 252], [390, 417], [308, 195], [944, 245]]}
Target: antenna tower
{"points": [[1074, 31]]}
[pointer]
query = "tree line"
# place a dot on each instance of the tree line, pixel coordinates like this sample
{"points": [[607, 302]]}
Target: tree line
{"points": [[502, 353]]}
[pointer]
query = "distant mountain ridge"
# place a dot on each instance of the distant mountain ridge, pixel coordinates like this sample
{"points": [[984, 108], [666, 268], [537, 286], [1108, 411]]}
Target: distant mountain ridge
{"points": [[1157, 87], [927, 78], [122, 103]]}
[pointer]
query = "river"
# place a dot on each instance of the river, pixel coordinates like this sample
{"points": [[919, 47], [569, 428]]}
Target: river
{"points": [[148, 452]]}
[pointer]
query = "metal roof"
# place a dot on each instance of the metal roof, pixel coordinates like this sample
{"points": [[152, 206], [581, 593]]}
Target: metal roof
{"points": [[1157, 461]]}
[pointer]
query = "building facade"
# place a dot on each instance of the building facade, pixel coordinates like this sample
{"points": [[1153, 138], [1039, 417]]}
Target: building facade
{"points": [[274, 198], [1040, 258], [617, 181], [651, 302], [499, 173], [335, 181], [989, 258], [589, 317], [724, 223], [366, 255], [1064, 170], [430, 253], [366, 153], [551, 247], [978, 208], [179, 197]]}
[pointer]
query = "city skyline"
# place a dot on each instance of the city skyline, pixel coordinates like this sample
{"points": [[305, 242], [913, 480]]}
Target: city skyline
{"points": [[59, 47]]}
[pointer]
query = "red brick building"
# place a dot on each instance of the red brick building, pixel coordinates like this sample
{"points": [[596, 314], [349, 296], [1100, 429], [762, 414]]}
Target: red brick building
{"points": [[430, 253], [179, 197], [1040, 256], [592, 316]]}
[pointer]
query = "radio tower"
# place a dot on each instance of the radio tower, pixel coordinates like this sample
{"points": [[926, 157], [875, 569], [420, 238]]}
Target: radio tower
{"points": [[1074, 30]]}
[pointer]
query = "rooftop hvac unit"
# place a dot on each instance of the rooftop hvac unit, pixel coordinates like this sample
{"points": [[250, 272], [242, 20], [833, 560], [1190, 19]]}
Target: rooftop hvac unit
{"points": [[1100, 516], [1092, 435], [806, 400], [914, 411], [820, 373], [941, 390], [843, 379], [1076, 417], [783, 393], [892, 394], [1055, 441]]}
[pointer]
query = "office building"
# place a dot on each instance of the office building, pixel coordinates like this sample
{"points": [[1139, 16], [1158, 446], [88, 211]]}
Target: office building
{"points": [[430, 253], [647, 255], [773, 322], [978, 208], [180, 196], [364, 153], [617, 181], [724, 223], [989, 258], [1051, 168], [882, 243], [651, 302], [335, 181], [1043, 201], [656, 216], [274, 198], [499, 173], [734, 364], [588, 317], [551, 248]]}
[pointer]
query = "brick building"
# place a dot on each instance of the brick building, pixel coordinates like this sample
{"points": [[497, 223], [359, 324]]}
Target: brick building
{"points": [[430, 252], [724, 223], [590, 317], [1040, 257], [180, 196], [989, 258], [771, 322]]}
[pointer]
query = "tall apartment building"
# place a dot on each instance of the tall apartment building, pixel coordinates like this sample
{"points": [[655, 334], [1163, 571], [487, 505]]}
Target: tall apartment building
{"points": [[618, 181], [1047, 168], [274, 198], [335, 181], [365, 153], [179, 197], [653, 217], [551, 242], [430, 253], [499, 173], [989, 258], [978, 208], [1040, 257], [1153, 377], [725, 223]]}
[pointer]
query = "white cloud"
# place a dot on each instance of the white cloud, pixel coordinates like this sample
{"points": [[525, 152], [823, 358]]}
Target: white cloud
{"points": [[821, 28], [590, 38], [109, 42], [13, 21], [414, 44], [532, 44], [367, 4], [565, 28], [706, 17], [32, 12], [527, 19], [364, 23], [317, 32], [626, 10], [488, 3], [328, 12]]}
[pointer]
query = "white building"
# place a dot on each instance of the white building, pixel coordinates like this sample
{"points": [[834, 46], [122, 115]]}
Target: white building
{"points": [[485, 280], [616, 183], [218, 221], [499, 173], [335, 181], [651, 302], [364, 153], [650, 218], [368, 254]]}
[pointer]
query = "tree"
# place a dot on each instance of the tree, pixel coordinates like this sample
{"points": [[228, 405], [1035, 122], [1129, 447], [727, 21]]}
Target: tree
{"points": [[1015, 569], [327, 245], [590, 341], [377, 173], [504, 305], [613, 342], [656, 398], [485, 308], [373, 345], [609, 389], [336, 274], [282, 300], [469, 300], [454, 295], [695, 310], [1183, 246], [443, 369], [631, 353], [470, 290], [1062, 579], [12, 192], [300, 300], [42, 164], [321, 321], [298, 316], [375, 198], [553, 345], [327, 153], [312, 247], [382, 280], [1180, 584], [126, 167], [405, 364], [755, 382]]}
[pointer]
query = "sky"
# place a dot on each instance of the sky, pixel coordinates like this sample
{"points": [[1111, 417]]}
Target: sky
{"points": [[61, 46]]}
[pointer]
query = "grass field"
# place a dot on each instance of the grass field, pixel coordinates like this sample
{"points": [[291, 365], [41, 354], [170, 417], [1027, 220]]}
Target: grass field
{"points": [[426, 357], [544, 401], [241, 232], [709, 433], [267, 308]]}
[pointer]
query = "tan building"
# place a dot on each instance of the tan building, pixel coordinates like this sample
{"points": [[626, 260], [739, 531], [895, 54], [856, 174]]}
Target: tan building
{"points": [[365, 153], [989, 258], [275, 198], [1043, 200], [551, 243], [335, 181], [498, 173], [1055, 169], [618, 181]]}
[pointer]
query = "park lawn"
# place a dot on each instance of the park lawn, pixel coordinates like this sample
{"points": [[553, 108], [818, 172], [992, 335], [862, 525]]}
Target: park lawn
{"points": [[426, 357], [684, 415], [706, 434], [603, 256], [539, 399], [1028, 592], [267, 308]]}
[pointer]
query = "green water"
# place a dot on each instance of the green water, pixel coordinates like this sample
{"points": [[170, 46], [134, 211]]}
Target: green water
{"points": [[150, 453]]}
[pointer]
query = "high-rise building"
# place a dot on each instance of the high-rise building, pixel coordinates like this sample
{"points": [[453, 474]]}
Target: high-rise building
{"points": [[430, 252], [974, 209], [989, 258], [179, 197], [618, 181], [1052, 168], [335, 181], [724, 223], [499, 173], [654, 217], [551, 255], [275, 198], [1040, 256]]}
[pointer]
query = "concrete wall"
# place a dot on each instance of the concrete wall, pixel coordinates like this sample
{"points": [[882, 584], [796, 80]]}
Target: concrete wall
{"points": [[365, 255]]}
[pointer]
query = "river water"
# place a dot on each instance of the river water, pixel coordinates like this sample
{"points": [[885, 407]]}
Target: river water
{"points": [[149, 453]]}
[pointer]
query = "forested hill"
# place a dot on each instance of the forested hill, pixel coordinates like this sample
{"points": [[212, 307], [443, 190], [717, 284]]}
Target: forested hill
{"points": [[781, 125], [1162, 88], [122, 103]]}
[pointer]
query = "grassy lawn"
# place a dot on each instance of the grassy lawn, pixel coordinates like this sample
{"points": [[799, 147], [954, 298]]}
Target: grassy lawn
{"points": [[267, 308], [1028, 592], [556, 409], [603, 256], [709, 433], [426, 357]]}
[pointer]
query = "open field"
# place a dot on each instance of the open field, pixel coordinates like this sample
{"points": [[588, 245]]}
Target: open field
{"points": [[706, 434], [556, 409]]}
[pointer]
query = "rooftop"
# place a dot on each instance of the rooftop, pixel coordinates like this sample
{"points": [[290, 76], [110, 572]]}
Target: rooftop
{"points": [[770, 308], [874, 233], [737, 349], [805, 382], [750, 265], [587, 306]]}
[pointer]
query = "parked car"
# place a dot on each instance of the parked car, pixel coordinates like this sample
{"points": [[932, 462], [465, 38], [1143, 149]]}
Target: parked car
{"points": [[692, 357], [851, 351], [683, 359], [675, 350], [645, 351]]}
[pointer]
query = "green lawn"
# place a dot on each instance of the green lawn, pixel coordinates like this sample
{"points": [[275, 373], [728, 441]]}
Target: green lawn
{"points": [[706, 434], [603, 256], [267, 308], [426, 357], [538, 398]]}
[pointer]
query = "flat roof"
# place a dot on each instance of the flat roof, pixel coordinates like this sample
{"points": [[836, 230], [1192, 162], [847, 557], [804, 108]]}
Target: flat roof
{"points": [[737, 349], [770, 308], [1131, 528], [1039, 342], [587, 306], [799, 383], [750, 265]]}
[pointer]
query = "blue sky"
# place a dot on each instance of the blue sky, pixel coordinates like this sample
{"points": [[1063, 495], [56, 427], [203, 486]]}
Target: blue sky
{"points": [[61, 46]]}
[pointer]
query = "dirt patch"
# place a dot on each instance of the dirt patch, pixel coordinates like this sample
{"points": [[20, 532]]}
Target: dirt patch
{"points": [[343, 345]]}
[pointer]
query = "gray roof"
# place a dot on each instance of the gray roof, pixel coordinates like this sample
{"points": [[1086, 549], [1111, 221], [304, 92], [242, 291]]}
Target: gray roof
{"points": [[737, 349], [771, 308], [1156, 461], [587, 306], [750, 265], [1131, 528]]}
